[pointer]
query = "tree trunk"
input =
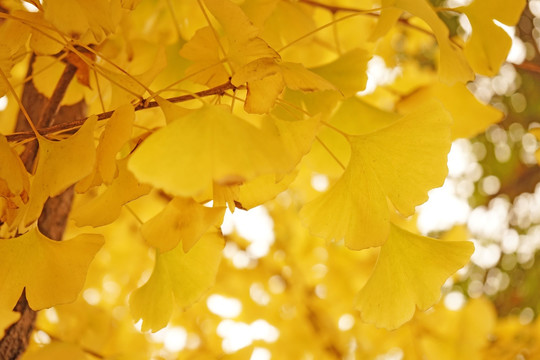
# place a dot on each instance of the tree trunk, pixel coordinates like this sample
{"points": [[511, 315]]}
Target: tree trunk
{"points": [[52, 222]]}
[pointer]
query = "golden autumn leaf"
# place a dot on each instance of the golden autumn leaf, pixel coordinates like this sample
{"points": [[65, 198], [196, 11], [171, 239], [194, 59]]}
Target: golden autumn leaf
{"points": [[383, 164], [43, 40], [182, 220], [91, 21], [489, 44], [14, 183], [178, 278], [105, 208], [13, 36], [470, 117], [60, 165], [170, 110], [339, 72], [244, 44], [116, 133], [322, 126], [453, 65], [13, 175], [230, 151], [409, 274], [266, 78], [52, 272], [203, 50]]}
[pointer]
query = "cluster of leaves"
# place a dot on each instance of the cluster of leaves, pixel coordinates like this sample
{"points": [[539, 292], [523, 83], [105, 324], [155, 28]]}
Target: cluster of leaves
{"points": [[272, 101]]}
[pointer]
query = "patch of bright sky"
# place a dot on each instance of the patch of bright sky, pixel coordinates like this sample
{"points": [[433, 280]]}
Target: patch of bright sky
{"points": [[260, 353], [254, 225], [223, 306], [457, 3], [30, 7], [454, 300], [3, 102], [448, 204], [237, 335], [378, 74]]}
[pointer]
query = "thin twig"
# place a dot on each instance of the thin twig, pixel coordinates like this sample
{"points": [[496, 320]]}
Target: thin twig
{"points": [[218, 90]]}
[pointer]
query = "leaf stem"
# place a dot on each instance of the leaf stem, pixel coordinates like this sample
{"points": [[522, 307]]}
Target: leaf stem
{"points": [[342, 133], [330, 152]]}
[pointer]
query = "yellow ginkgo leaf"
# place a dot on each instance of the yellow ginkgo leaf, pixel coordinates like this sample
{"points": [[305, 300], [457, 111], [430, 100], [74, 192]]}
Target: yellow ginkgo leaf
{"points": [[297, 136], [400, 153], [470, 116], [116, 133], [203, 50], [229, 151], [262, 94], [130, 4], [262, 189], [409, 274], [60, 164], [242, 36], [297, 77], [183, 220], [265, 79], [14, 183], [13, 175], [170, 110], [353, 209], [106, 207], [453, 65], [489, 44], [178, 277], [386, 163], [223, 195], [13, 35], [93, 18], [44, 40], [125, 87], [357, 117], [52, 272], [264, 83], [348, 73]]}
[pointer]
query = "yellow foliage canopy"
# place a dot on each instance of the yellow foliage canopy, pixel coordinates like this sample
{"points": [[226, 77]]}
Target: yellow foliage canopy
{"points": [[280, 108]]}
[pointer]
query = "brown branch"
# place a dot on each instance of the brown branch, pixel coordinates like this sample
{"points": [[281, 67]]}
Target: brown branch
{"points": [[48, 112], [528, 66], [218, 90], [55, 212]]}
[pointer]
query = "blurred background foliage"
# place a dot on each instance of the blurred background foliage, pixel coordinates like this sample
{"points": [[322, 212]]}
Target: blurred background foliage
{"points": [[489, 309]]}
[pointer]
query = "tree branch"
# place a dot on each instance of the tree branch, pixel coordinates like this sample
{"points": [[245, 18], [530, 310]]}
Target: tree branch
{"points": [[55, 212], [218, 90], [48, 112]]}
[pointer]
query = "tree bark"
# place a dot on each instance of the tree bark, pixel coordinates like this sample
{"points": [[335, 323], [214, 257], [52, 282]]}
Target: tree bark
{"points": [[52, 222]]}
